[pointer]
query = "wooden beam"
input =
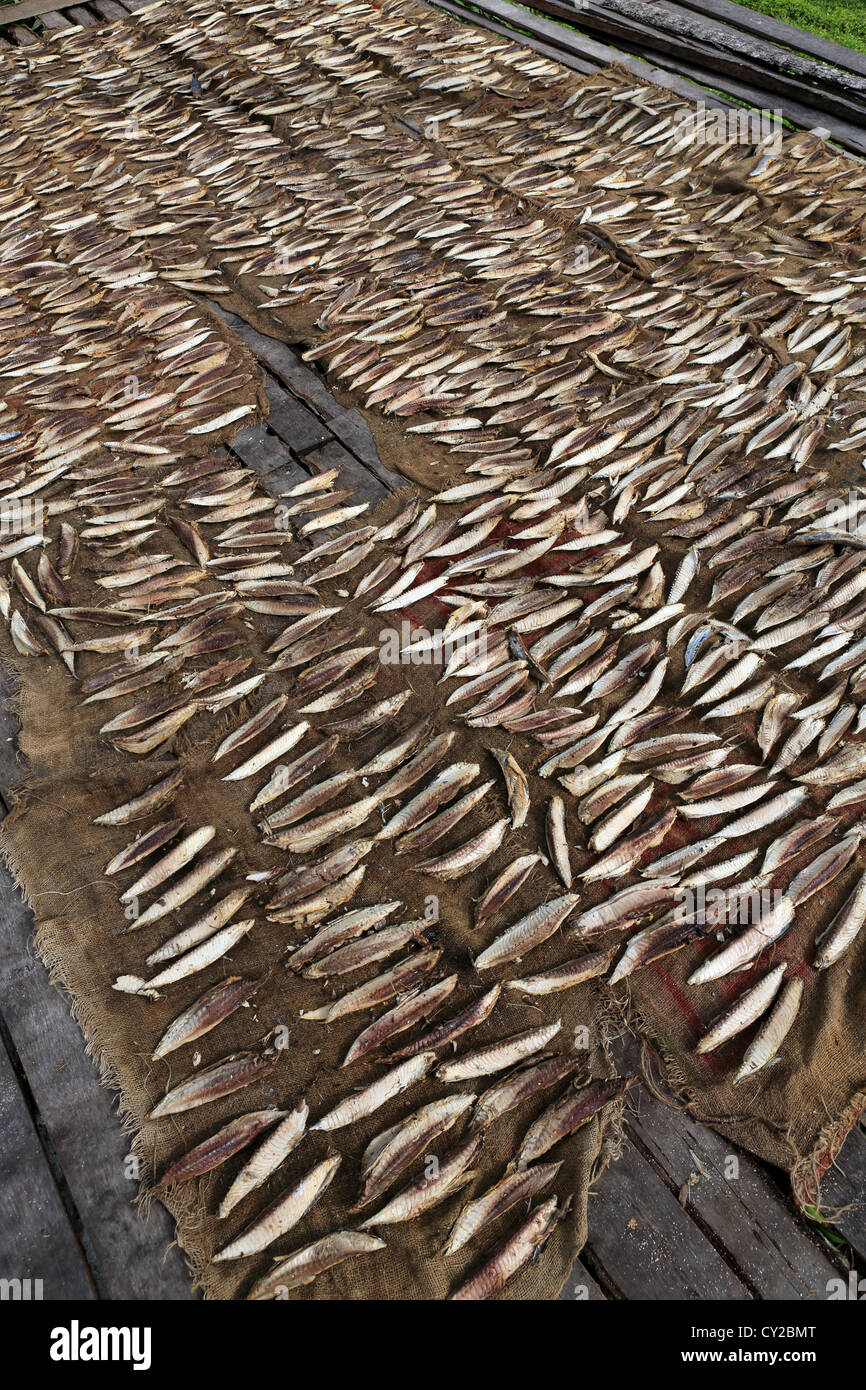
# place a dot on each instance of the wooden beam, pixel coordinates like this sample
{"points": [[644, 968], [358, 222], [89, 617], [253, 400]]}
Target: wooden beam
{"points": [[642, 1244], [731, 1197], [28, 9], [776, 31], [37, 1240], [23, 36]]}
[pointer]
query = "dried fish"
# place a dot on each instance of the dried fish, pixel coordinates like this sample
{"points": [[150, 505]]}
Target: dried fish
{"points": [[496, 1201], [511, 1256], [283, 1213], [219, 1147], [268, 1156], [573, 1110], [304, 1266], [365, 1102]]}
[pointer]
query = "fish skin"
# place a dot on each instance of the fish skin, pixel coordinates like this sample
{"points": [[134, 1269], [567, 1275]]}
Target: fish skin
{"points": [[363, 1103], [221, 1078], [468, 857], [504, 886], [219, 1147], [206, 1012], [496, 1201], [511, 1256], [426, 1193], [304, 1266], [765, 1045], [573, 1110], [527, 933], [747, 1008], [267, 1157], [499, 1055], [283, 1213]]}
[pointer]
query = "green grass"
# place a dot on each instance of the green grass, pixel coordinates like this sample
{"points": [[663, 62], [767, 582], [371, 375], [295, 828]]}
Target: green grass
{"points": [[844, 21]]}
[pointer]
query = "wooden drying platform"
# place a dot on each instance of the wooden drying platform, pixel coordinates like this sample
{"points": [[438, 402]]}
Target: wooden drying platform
{"points": [[668, 1221]]}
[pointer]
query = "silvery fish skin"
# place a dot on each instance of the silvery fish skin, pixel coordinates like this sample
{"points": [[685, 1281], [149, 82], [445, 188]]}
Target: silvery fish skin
{"points": [[843, 929], [469, 1017], [511, 1256], [161, 794], [219, 1147], [499, 1055], [463, 860], [527, 933], [418, 1005], [305, 1265], [190, 963], [206, 1012], [575, 1109], [504, 886], [392, 1152], [565, 976], [527, 1080], [202, 928], [362, 1103], [268, 1156], [221, 1078], [452, 1172], [283, 1213], [507, 1193], [744, 1012], [764, 1047]]}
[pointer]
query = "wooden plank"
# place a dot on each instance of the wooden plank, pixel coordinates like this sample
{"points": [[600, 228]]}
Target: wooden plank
{"points": [[352, 430], [28, 9], [349, 426], [352, 473], [79, 15], [284, 363], [843, 1191], [130, 1256], [37, 1240], [53, 20], [734, 1200], [11, 770], [809, 118], [777, 31], [642, 1245], [291, 420], [22, 35], [261, 450], [108, 9]]}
